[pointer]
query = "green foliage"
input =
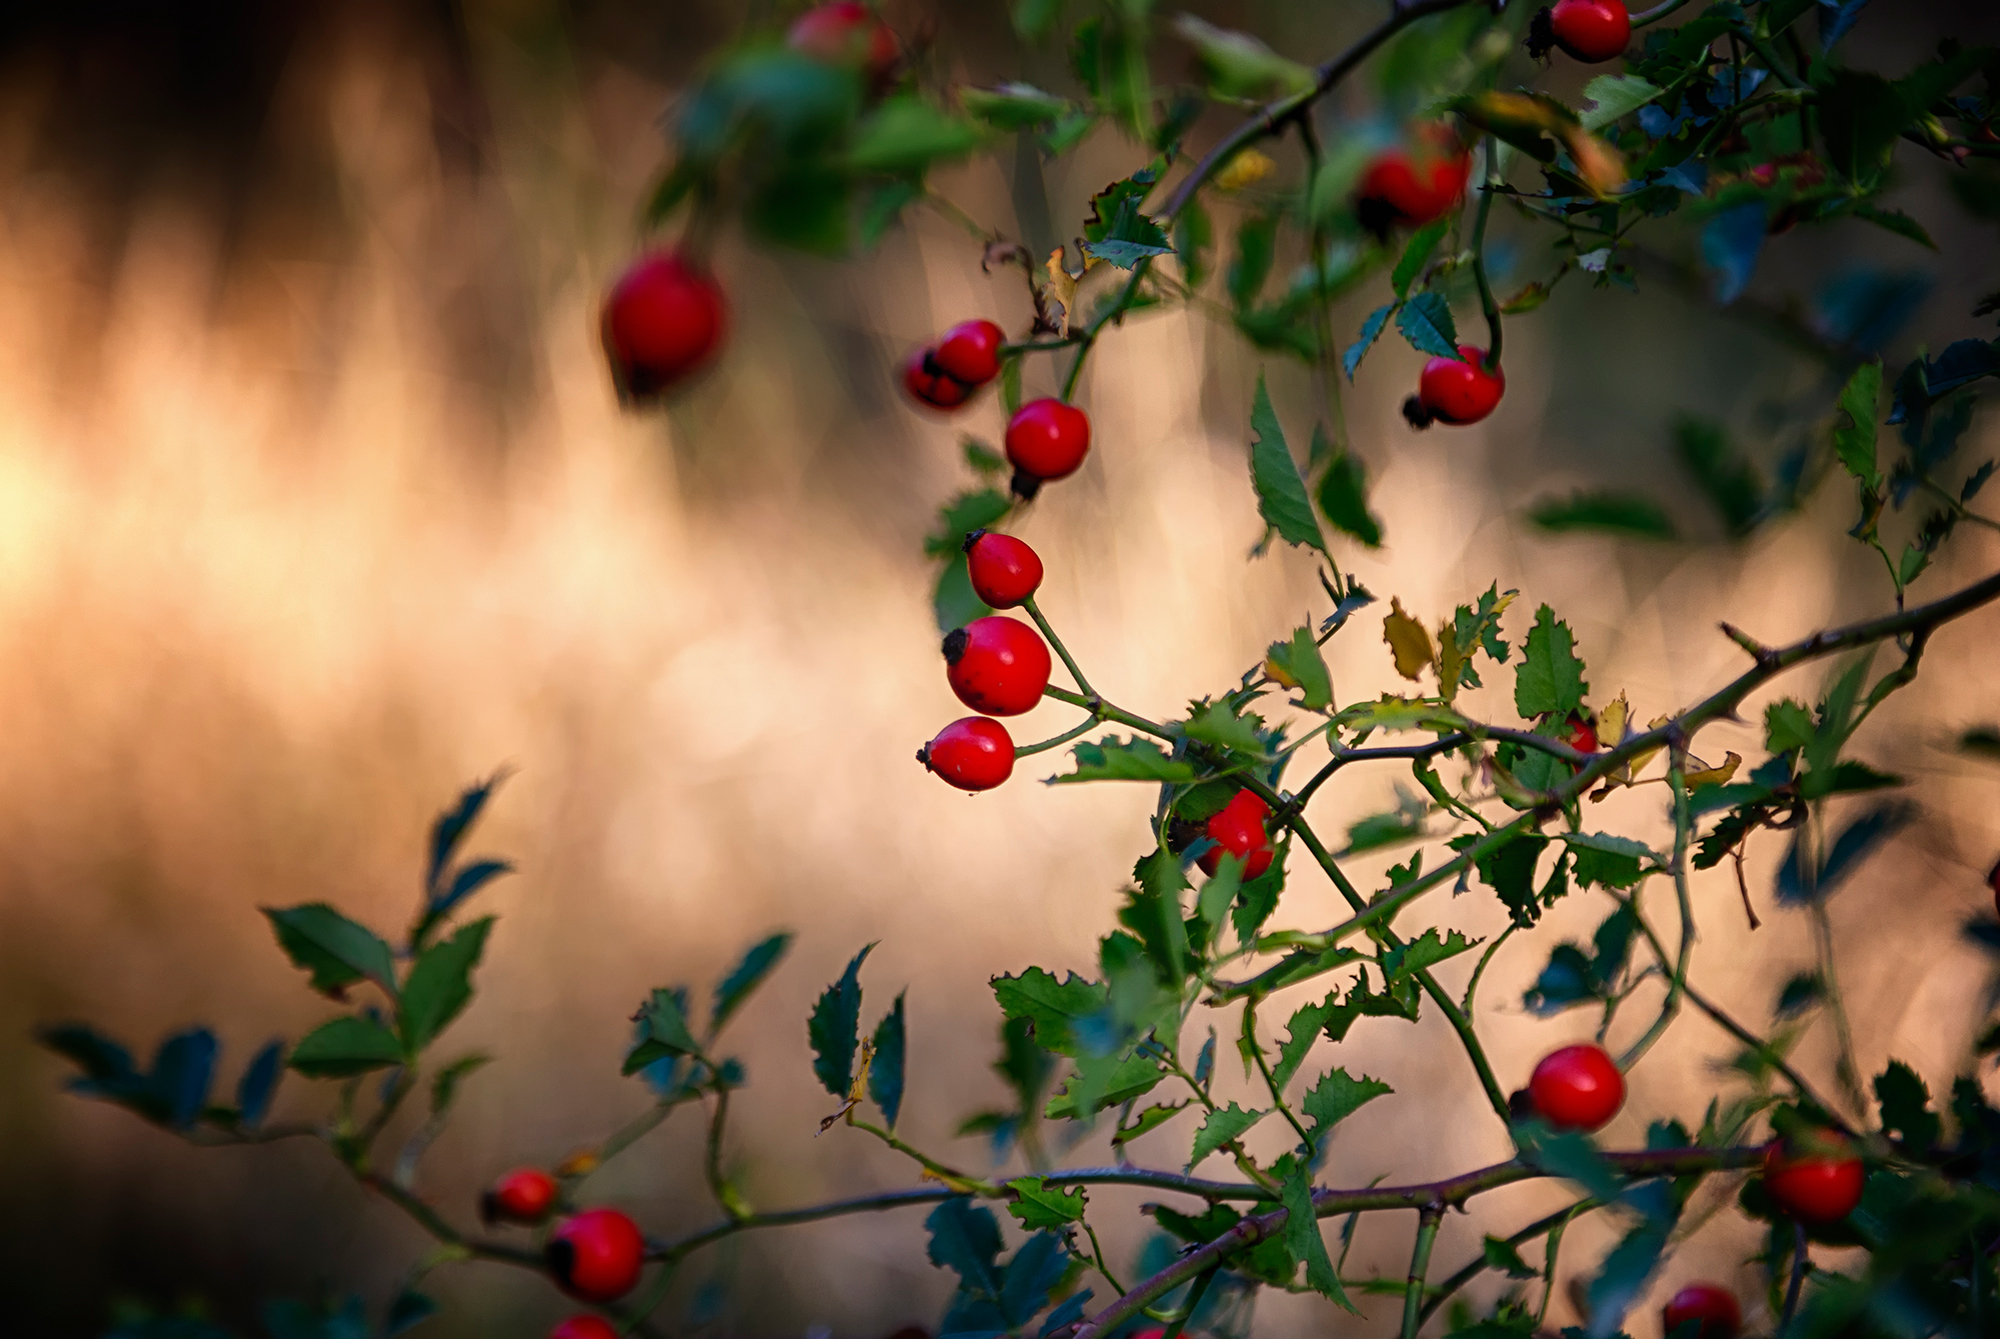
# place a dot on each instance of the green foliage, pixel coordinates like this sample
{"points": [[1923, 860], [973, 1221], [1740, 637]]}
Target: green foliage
{"points": [[1281, 493], [835, 1028], [1223, 1126], [1549, 680], [1611, 513]]}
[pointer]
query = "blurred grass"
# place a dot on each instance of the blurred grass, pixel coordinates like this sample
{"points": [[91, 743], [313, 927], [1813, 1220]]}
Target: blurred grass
{"points": [[315, 504]]}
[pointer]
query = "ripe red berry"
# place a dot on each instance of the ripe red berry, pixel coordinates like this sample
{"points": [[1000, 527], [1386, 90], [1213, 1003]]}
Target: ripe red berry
{"points": [[1411, 184], [930, 384], [1815, 1179], [1577, 1088], [1239, 830], [1592, 31], [973, 754], [997, 665], [970, 352], [1046, 439], [847, 32], [584, 1327], [1456, 390], [1582, 732], [1004, 571], [661, 321], [1712, 1307], [522, 1196], [596, 1255]]}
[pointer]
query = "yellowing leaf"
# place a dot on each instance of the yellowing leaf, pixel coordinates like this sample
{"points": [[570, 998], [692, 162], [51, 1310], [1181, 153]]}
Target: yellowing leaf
{"points": [[1598, 165], [1611, 721], [1713, 776], [1245, 170], [1408, 641], [1276, 673], [1061, 287]]}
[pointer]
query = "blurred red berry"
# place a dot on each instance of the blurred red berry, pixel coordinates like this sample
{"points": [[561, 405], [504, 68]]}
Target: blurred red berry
{"points": [[1815, 1178], [1005, 572], [1046, 439], [584, 1327], [1582, 732], [1577, 1088], [1239, 830], [847, 32], [1413, 183], [596, 1255], [525, 1195], [1592, 31], [1706, 1304], [970, 351], [997, 665], [1457, 390], [929, 383], [974, 753], [662, 320]]}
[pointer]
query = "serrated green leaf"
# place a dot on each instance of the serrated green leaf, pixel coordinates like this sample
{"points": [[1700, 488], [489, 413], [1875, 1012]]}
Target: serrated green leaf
{"points": [[1298, 664], [1503, 1257], [1343, 499], [344, 1047], [1416, 254], [1281, 493], [965, 1238], [1216, 724], [1854, 440], [1425, 321], [1609, 861], [440, 985], [1614, 97], [835, 1026], [1788, 725], [1052, 1007], [885, 1072], [1303, 1241], [663, 1032], [1156, 913], [1432, 947], [1103, 1081], [1549, 679], [1573, 1157], [1152, 1118], [1221, 1126], [1371, 330], [1135, 759], [907, 134], [1624, 1275], [336, 950], [746, 976], [1038, 1205], [1300, 1034], [1337, 1096]]}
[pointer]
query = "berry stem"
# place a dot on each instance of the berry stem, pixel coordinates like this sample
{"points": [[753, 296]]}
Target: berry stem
{"points": [[1677, 981], [1420, 1266], [1656, 13], [1104, 711], [1551, 1226], [1055, 642], [1486, 302], [1089, 723]]}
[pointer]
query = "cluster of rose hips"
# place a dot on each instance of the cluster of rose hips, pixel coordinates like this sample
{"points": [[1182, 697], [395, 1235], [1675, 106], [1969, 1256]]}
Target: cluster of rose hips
{"points": [[1046, 439], [997, 666], [595, 1255], [1816, 1179]]}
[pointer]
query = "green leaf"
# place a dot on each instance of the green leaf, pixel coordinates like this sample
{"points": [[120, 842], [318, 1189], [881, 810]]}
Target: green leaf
{"points": [[906, 134], [1614, 97], [337, 951], [1298, 664], [1135, 759], [1303, 1241], [1895, 221], [444, 1083], [1157, 914], [663, 1032], [1300, 1034], [1607, 860], [1510, 872], [440, 985], [1573, 1157], [976, 509], [1152, 1118], [885, 1073], [1337, 1096], [804, 206], [344, 1047], [1788, 725], [1012, 106], [1053, 1007], [1343, 499], [1861, 116], [1730, 482], [1854, 440], [1425, 321], [1123, 254], [1612, 513], [746, 976], [1906, 1107], [1549, 679], [1038, 1205], [1256, 243], [1371, 330], [1624, 1275], [1503, 1257], [834, 1029], [1420, 954], [1102, 1081], [953, 602], [1216, 724], [1281, 493], [1221, 1126], [1194, 234], [965, 1238], [1237, 65], [1416, 253]]}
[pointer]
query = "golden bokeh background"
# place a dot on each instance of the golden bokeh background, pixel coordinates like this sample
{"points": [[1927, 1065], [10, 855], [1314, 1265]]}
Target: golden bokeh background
{"points": [[315, 505]]}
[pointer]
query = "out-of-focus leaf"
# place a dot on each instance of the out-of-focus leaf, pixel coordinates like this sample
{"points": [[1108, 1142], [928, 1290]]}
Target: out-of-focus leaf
{"points": [[1416, 253], [1012, 106], [337, 951], [1906, 1107], [259, 1084], [746, 976], [1054, 1008], [1612, 513], [965, 1238], [1623, 1277], [1343, 499], [440, 985], [344, 1047], [1371, 330], [1238, 65], [1728, 479], [1730, 245], [907, 134], [1613, 97], [1409, 641]]}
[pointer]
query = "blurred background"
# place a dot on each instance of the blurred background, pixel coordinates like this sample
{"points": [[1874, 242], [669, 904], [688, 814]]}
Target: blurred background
{"points": [[316, 504]]}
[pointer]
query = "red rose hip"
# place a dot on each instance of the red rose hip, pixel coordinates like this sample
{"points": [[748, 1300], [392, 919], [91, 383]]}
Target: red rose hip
{"points": [[930, 384], [974, 753], [1238, 829], [1046, 439], [1711, 1307], [1577, 1088], [596, 1255], [1582, 732], [1457, 391], [1592, 31], [997, 665], [970, 352], [662, 320], [584, 1327], [1815, 1178], [846, 32], [1005, 572], [525, 1195], [1414, 183]]}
